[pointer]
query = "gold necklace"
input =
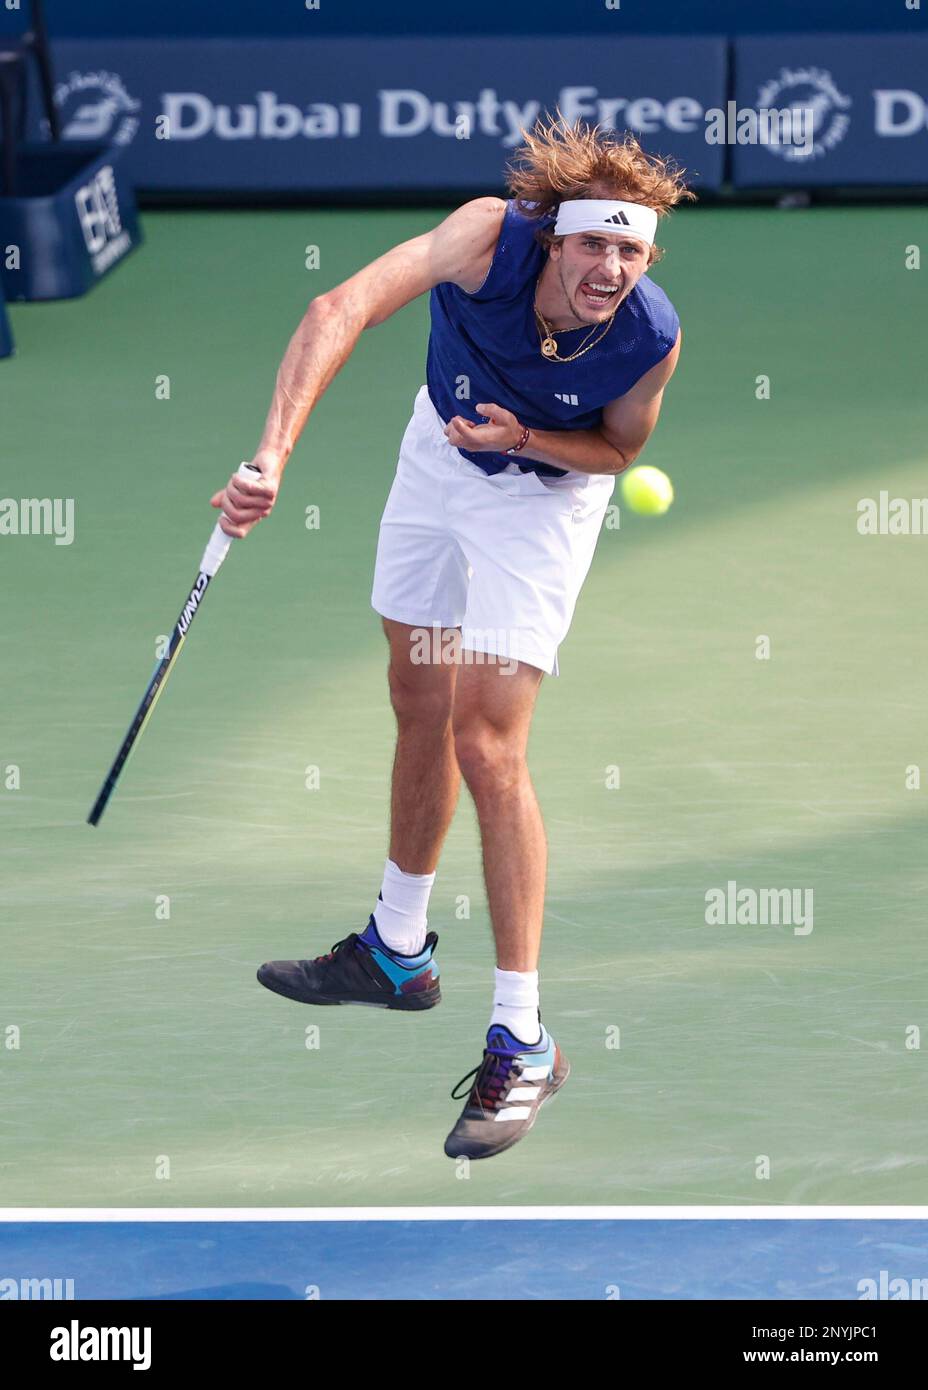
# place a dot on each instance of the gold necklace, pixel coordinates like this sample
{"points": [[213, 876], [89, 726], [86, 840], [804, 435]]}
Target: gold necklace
{"points": [[549, 343]]}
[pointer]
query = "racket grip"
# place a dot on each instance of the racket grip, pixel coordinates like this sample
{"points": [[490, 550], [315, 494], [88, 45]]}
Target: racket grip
{"points": [[218, 546]]}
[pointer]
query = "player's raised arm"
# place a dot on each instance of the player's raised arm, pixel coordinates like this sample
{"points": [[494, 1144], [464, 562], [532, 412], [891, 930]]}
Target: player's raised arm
{"points": [[459, 250]]}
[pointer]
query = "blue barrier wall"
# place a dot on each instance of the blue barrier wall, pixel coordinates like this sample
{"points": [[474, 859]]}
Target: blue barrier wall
{"points": [[321, 115], [868, 101], [183, 18], [345, 115], [394, 116]]}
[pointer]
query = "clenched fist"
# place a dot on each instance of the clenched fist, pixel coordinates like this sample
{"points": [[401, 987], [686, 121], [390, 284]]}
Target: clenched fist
{"points": [[502, 431], [246, 501]]}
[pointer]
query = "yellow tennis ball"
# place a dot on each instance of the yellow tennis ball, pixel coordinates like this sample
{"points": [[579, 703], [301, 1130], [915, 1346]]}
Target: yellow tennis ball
{"points": [[647, 491]]}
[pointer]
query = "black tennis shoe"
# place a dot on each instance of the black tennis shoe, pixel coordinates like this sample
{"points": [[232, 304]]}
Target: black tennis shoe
{"points": [[359, 970]]}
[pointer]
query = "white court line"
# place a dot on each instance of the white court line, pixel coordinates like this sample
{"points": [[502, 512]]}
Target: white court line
{"points": [[642, 1213]]}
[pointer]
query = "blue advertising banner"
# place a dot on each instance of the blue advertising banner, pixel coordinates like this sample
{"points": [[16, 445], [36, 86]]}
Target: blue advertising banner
{"points": [[375, 114], [859, 106], [308, 18]]}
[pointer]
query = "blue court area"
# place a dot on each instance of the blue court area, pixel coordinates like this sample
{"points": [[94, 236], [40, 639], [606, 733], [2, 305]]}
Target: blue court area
{"points": [[476, 1259]]}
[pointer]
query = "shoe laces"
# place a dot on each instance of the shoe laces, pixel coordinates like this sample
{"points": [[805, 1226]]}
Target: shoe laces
{"points": [[347, 944], [489, 1078], [348, 941]]}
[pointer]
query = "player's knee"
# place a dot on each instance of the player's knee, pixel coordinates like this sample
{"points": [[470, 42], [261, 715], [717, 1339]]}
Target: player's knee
{"points": [[488, 759], [421, 695]]}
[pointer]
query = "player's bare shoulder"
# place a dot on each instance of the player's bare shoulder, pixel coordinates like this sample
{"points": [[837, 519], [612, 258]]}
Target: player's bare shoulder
{"points": [[463, 245], [458, 250]]}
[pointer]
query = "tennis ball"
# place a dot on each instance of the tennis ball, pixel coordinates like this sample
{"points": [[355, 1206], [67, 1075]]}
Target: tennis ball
{"points": [[647, 491]]}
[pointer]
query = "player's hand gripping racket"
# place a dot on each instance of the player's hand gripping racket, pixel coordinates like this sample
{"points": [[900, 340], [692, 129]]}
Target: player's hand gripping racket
{"points": [[213, 556]]}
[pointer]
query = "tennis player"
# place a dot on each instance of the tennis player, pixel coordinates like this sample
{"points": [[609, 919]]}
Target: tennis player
{"points": [[549, 353]]}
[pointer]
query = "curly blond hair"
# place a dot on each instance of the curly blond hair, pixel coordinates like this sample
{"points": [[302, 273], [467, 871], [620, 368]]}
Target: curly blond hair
{"points": [[560, 161]]}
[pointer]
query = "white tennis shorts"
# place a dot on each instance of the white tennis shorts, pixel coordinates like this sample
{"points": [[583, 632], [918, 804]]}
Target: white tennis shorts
{"points": [[502, 557]]}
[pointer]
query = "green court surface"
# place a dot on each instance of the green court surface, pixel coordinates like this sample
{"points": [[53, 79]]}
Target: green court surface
{"points": [[143, 1039]]}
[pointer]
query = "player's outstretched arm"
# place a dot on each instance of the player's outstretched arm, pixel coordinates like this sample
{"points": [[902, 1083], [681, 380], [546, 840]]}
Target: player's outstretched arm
{"points": [[459, 250]]}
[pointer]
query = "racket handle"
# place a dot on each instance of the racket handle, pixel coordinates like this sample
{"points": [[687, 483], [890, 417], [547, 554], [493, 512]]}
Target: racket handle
{"points": [[218, 547]]}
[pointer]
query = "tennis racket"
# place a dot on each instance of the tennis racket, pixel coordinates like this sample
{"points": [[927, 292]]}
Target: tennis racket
{"points": [[213, 556]]}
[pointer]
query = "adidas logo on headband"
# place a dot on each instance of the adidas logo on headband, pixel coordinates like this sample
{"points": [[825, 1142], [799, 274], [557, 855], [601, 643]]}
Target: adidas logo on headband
{"points": [[592, 214]]}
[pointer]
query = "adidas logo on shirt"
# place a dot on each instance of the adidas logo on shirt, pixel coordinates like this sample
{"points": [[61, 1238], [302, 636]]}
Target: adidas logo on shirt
{"points": [[568, 400]]}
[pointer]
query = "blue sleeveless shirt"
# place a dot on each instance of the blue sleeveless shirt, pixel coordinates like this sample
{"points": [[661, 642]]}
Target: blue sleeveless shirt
{"points": [[490, 338]]}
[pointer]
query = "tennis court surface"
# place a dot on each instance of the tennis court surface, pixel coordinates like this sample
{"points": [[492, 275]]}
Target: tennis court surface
{"points": [[141, 1065]]}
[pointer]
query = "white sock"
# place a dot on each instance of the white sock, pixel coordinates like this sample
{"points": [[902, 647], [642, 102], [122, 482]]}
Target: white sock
{"points": [[515, 1004], [400, 916]]}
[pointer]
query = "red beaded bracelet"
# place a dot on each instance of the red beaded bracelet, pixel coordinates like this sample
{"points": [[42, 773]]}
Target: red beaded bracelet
{"points": [[516, 448]]}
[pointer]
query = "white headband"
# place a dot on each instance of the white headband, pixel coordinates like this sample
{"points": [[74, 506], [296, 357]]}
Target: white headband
{"points": [[606, 215]]}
